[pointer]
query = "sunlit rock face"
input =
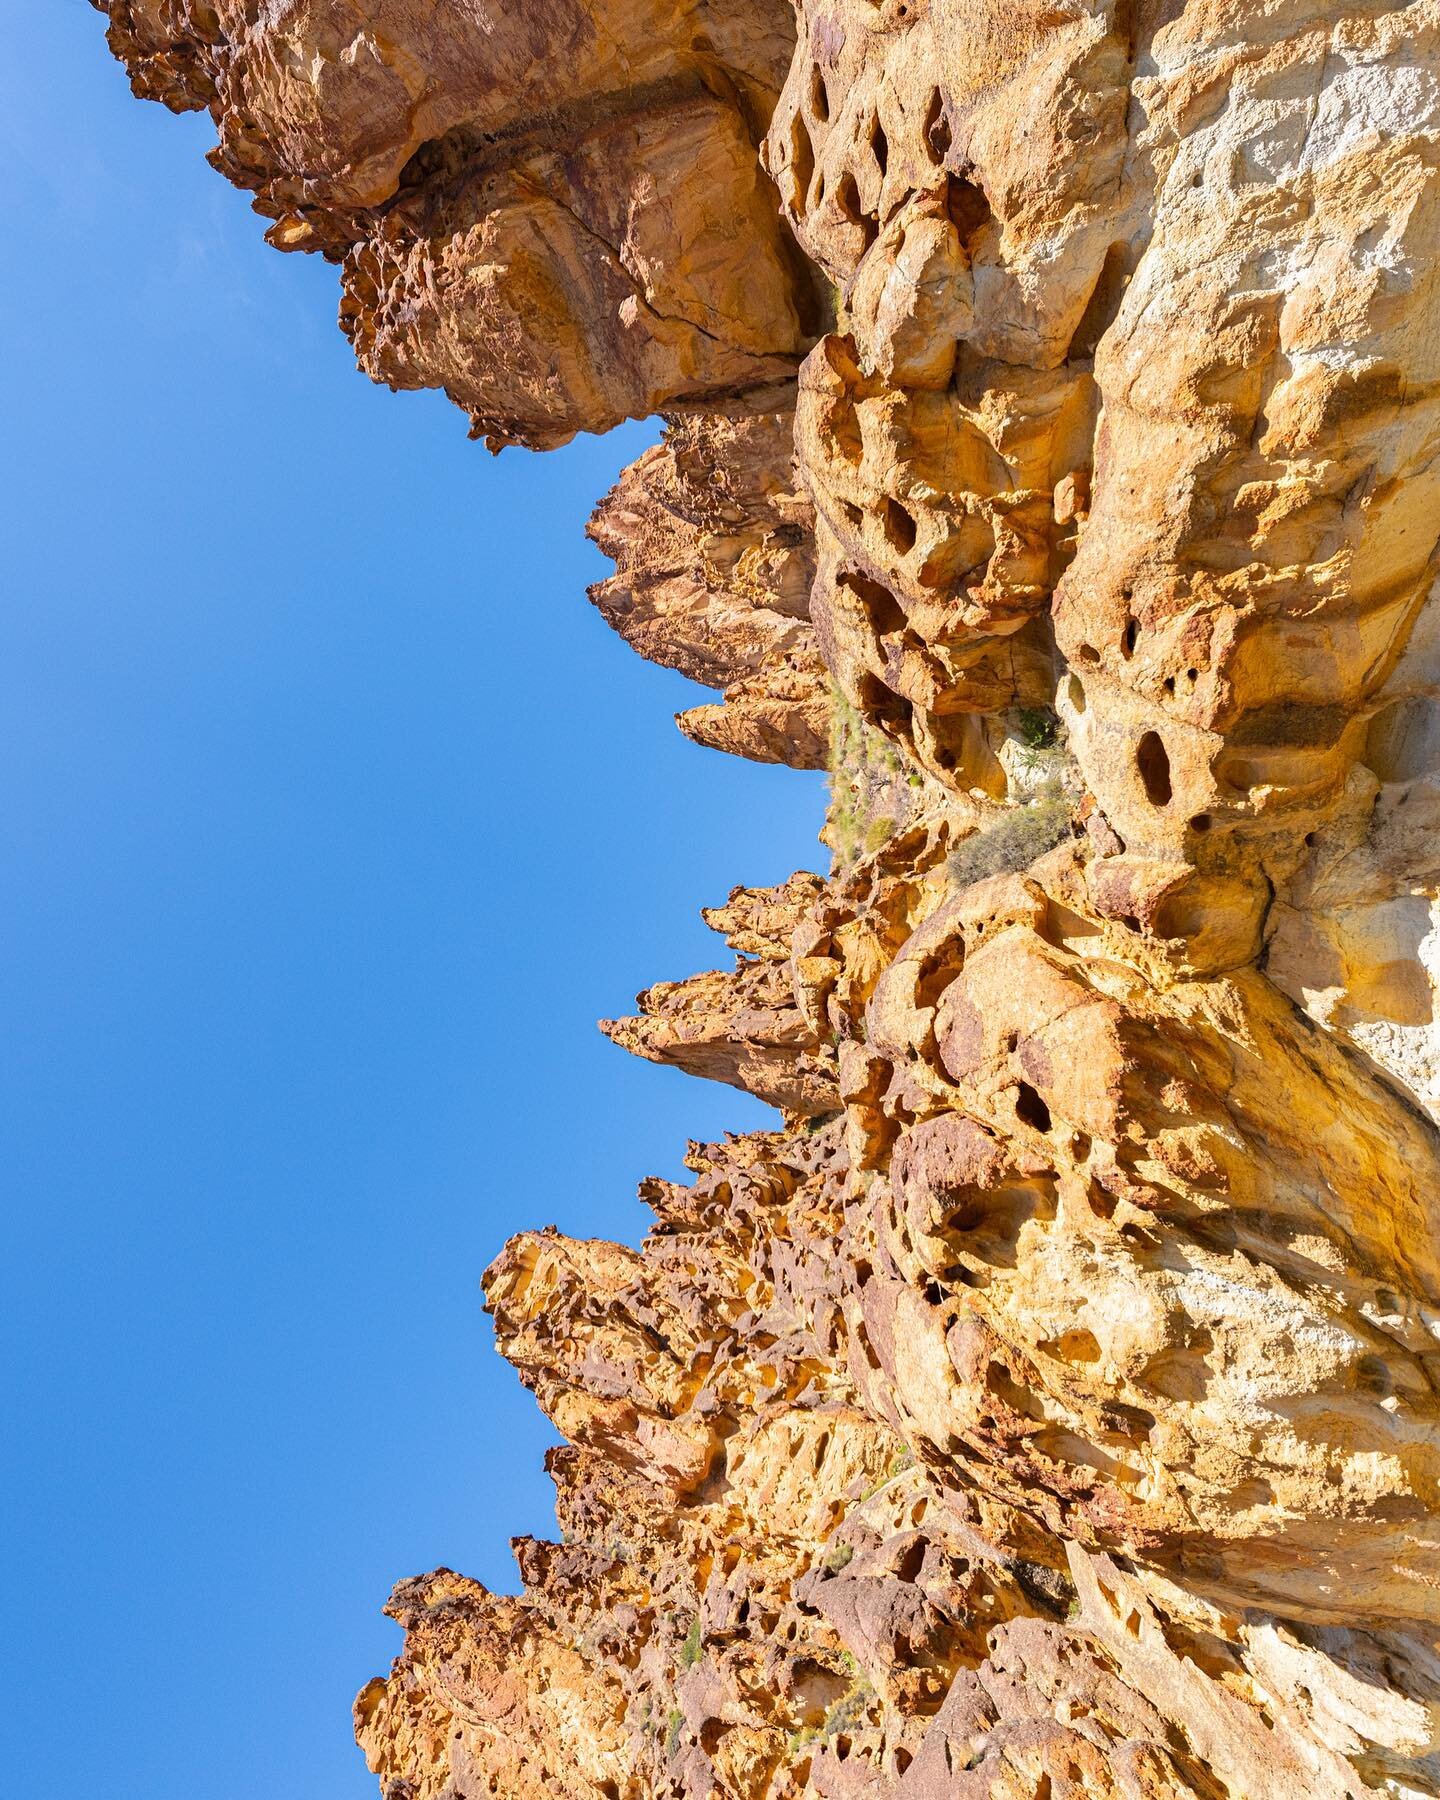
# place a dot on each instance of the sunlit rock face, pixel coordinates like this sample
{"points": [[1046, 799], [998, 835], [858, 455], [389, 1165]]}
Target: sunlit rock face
{"points": [[552, 211], [1047, 1409], [715, 551]]}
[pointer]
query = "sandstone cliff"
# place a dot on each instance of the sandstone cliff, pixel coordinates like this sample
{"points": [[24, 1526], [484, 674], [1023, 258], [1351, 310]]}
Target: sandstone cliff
{"points": [[1047, 1409]]}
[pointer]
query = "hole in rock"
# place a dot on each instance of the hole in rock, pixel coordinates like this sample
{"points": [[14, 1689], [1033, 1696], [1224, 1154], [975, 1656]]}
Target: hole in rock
{"points": [[1373, 1376], [847, 199], [937, 128], [900, 527], [1130, 639], [881, 608], [819, 95], [1076, 693], [1074, 1346], [1030, 1108], [1153, 761], [968, 208], [882, 705], [911, 1561], [802, 161], [880, 145], [1103, 304], [1404, 740]]}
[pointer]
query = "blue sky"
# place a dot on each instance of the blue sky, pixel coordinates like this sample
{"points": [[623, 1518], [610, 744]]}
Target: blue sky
{"points": [[333, 817]]}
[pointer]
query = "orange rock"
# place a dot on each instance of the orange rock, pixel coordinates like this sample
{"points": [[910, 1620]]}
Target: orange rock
{"points": [[1049, 1408]]}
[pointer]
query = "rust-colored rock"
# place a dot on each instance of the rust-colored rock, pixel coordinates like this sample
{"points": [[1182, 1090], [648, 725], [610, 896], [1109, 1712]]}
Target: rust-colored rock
{"points": [[552, 211], [715, 561], [1048, 1410]]}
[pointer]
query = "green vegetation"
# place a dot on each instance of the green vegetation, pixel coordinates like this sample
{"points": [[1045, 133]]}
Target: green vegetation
{"points": [[905, 1460], [1014, 841], [1037, 727], [691, 1650], [847, 1714], [838, 1556], [869, 785], [849, 1711], [673, 1723], [873, 794]]}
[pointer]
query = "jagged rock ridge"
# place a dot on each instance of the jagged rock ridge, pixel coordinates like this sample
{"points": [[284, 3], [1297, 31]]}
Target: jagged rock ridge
{"points": [[1047, 1410]]}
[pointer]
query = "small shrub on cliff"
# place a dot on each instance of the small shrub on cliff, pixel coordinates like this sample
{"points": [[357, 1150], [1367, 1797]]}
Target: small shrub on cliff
{"points": [[899, 1464], [1037, 727], [849, 1711], [691, 1650], [869, 785], [1014, 841], [847, 1714]]}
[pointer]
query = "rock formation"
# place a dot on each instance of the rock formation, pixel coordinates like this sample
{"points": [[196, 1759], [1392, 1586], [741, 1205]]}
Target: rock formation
{"points": [[1047, 1409]]}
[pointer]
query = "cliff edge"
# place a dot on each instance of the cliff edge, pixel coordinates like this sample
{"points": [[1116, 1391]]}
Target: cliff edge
{"points": [[1047, 1409]]}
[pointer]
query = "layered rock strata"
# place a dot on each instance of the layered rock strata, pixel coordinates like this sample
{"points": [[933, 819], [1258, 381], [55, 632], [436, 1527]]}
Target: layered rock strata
{"points": [[1046, 1409]]}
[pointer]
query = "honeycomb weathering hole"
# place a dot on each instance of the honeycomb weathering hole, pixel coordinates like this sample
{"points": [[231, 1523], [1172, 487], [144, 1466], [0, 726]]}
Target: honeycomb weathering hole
{"points": [[802, 161], [900, 527], [937, 129], [967, 206], [1153, 761], [1030, 1108]]}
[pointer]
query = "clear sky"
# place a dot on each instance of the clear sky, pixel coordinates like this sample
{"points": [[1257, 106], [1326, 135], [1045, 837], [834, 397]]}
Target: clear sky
{"points": [[331, 818]]}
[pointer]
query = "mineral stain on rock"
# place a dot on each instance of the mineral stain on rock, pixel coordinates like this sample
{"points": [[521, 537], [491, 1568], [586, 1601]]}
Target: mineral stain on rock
{"points": [[1048, 1409]]}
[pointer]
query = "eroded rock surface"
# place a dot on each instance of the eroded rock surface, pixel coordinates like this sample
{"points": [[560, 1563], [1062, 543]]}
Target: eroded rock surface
{"points": [[1047, 1409], [714, 549], [552, 211]]}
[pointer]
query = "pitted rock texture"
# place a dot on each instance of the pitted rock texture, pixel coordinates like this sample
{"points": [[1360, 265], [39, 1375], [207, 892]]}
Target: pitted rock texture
{"points": [[715, 561], [1049, 1408], [552, 211]]}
